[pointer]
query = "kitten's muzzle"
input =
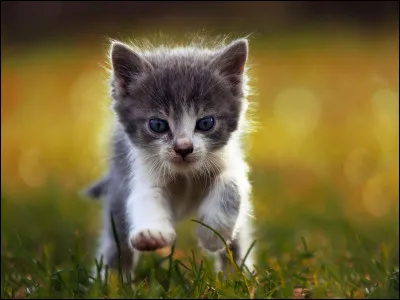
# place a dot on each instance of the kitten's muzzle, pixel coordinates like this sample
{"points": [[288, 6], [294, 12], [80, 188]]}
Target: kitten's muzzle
{"points": [[183, 147]]}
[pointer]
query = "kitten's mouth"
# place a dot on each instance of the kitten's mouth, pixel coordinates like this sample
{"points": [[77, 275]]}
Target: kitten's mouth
{"points": [[179, 161], [182, 161]]}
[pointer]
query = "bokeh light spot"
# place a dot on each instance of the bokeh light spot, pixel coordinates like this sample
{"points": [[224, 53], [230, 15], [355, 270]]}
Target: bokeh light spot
{"points": [[385, 104], [359, 165], [375, 200], [30, 170], [86, 95], [298, 110]]}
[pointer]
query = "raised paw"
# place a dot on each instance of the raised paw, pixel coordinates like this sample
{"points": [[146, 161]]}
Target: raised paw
{"points": [[152, 239]]}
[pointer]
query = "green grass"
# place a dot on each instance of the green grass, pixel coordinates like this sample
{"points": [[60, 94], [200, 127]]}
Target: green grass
{"points": [[49, 237]]}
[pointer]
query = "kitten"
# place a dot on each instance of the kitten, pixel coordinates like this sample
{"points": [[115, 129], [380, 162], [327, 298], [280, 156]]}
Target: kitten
{"points": [[176, 149]]}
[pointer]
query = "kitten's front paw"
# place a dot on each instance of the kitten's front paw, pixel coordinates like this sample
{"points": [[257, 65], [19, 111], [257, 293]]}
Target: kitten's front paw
{"points": [[149, 239], [210, 241]]}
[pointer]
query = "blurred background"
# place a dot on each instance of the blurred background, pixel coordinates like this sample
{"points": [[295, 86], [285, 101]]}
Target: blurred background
{"points": [[325, 84]]}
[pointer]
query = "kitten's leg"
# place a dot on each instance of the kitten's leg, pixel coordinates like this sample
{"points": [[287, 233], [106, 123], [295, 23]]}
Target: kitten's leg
{"points": [[239, 248], [222, 260], [150, 219], [226, 209], [108, 252], [219, 210]]}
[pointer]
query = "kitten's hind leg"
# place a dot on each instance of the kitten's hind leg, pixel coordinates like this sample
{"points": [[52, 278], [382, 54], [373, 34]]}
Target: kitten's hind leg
{"points": [[123, 259]]}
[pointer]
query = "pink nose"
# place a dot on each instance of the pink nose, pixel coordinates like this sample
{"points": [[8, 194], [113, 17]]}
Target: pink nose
{"points": [[183, 147]]}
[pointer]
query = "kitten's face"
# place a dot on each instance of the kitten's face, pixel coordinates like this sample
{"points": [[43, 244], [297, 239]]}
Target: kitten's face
{"points": [[179, 108]]}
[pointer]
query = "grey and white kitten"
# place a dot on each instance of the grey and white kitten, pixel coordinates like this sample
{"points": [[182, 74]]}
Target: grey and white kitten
{"points": [[176, 149]]}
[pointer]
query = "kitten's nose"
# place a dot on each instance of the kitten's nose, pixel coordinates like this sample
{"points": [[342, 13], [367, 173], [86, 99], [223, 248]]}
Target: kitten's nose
{"points": [[183, 147]]}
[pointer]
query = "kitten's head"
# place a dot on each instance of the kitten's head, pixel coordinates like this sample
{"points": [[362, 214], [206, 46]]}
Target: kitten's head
{"points": [[179, 106]]}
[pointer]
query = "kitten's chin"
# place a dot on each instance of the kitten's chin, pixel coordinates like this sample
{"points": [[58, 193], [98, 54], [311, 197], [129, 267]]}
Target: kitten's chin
{"points": [[184, 166]]}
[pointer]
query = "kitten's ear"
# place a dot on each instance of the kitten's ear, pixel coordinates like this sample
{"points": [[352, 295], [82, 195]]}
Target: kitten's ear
{"points": [[232, 59], [126, 64]]}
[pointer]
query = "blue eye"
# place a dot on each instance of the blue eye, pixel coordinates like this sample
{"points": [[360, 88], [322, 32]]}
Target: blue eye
{"points": [[205, 123], [158, 125]]}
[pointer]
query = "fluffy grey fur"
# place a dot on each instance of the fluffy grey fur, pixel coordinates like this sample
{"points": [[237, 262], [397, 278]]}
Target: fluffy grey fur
{"points": [[181, 86]]}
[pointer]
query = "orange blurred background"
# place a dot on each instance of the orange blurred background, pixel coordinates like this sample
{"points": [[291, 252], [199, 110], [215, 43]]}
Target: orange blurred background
{"points": [[326, 94]]}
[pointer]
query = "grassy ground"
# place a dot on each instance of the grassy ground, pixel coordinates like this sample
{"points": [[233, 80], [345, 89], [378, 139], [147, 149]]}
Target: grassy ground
{"points": [[47, 249], [324, 171]]}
